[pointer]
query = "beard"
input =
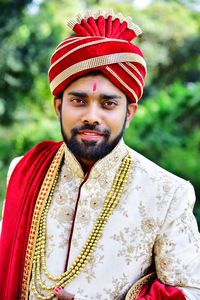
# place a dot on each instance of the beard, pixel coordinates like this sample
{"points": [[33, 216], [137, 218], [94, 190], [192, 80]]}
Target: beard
{"points": [[91, 150]]}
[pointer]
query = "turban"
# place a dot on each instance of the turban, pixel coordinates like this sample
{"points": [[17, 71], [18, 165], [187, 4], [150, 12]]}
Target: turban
{"points": [[102, 41]]}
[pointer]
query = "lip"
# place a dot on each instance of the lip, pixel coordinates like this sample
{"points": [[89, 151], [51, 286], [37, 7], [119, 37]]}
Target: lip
{"points": [[90, 135]]}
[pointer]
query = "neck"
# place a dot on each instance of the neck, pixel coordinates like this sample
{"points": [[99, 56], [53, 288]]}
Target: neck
{"points": [[86, 165]]}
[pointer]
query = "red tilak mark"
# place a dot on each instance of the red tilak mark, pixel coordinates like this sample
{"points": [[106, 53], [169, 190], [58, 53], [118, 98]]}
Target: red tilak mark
{"points": [[94, 87]]}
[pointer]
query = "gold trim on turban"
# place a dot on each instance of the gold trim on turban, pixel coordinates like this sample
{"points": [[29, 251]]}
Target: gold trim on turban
{"points": [[95, 62], [123, 83], [103, 40]]}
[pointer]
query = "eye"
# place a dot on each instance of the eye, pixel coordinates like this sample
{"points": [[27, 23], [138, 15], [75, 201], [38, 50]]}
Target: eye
{"points": [[110, 104], [78, 101]]}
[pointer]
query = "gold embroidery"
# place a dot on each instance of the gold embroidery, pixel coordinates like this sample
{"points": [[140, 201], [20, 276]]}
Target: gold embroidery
{"points": [[70, 41], [95, 62], [105, 13], [132, 75], [85, 255], [100, 41], [135, 290], [123, 83], [136, 70], [41, 200]]}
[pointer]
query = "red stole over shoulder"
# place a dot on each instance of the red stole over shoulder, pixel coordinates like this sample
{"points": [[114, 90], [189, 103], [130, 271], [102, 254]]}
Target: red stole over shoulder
{"points": [[149, 287], [22, 192], [157, 290]]}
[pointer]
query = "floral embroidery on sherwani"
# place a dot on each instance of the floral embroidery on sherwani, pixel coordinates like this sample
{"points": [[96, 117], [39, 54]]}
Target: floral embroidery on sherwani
{"points": [[152, 223]]}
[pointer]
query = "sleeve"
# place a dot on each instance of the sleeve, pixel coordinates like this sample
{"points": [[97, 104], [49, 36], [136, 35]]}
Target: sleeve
{"points": [[77, 297], [13, 164], [177, 247]]}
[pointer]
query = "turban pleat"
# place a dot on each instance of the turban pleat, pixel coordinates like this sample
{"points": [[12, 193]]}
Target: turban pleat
{"points": [[101, 43]]}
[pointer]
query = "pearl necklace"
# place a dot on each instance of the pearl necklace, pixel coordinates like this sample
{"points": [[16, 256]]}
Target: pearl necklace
{"points": [[39, 261]]}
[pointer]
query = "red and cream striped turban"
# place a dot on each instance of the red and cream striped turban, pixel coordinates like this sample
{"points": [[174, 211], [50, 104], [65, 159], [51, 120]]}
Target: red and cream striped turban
{"points": [[102, 42]]}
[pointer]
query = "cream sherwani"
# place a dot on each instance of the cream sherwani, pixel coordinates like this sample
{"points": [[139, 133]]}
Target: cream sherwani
{"points": [[153, 222]]}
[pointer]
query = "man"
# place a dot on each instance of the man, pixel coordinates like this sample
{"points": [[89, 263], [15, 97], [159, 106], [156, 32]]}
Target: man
{"points": [[88, 218]]}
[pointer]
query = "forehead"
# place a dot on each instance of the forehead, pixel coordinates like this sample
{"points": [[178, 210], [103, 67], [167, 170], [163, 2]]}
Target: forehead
{"points": [[97, 84]]}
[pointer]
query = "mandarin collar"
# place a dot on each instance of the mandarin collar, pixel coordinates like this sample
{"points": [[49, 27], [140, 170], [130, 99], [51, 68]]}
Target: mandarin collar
{"points": [[110, 162]]}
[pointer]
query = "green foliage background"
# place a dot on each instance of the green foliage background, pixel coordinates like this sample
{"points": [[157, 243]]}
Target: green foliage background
{"points": [[166, 127]]}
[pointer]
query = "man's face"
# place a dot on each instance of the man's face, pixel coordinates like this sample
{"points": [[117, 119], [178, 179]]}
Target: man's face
{"points": [[93, 115]]}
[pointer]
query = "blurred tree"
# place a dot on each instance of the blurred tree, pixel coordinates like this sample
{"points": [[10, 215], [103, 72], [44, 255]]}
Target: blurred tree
{"points": [[10, 20], [191, 4], [10, 17], [171, 34], [184, 63], [25, 53]]}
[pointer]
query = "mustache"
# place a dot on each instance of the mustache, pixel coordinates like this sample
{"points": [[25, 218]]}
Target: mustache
{"points": [[75, 130]]}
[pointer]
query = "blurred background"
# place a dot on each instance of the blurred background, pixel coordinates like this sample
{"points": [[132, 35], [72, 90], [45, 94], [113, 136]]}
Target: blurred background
{"points": [[166, 128]]}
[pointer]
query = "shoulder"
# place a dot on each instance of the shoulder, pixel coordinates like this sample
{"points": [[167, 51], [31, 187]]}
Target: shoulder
{"points": [[12, 166], [42, 149], [170, 192], [151, 172]]}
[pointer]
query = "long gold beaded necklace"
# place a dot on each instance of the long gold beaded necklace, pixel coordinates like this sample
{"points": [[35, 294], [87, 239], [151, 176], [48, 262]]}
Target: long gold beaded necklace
{"points": [[39, 261]]}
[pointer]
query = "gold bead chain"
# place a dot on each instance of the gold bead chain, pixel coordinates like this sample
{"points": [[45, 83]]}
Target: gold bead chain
{"points": [[39, 262]]}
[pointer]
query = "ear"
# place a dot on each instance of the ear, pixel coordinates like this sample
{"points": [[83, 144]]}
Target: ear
{"points": [[57, 106], [131, 110]]}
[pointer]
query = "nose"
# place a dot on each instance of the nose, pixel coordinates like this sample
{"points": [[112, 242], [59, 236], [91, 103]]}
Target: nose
{"points": [[92, 115]]}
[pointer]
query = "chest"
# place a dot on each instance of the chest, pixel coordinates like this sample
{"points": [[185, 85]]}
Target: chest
{"points": [[124, 251]]}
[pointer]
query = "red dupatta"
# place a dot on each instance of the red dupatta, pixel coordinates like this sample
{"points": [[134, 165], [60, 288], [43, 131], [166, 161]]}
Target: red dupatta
{"points": [[157, 290], [22, 192], [150, 287]]}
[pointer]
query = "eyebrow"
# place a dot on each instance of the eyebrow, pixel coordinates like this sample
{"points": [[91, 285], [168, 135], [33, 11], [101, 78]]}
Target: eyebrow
{"points": [[102, 96], [78, 94], [109, 97]]}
